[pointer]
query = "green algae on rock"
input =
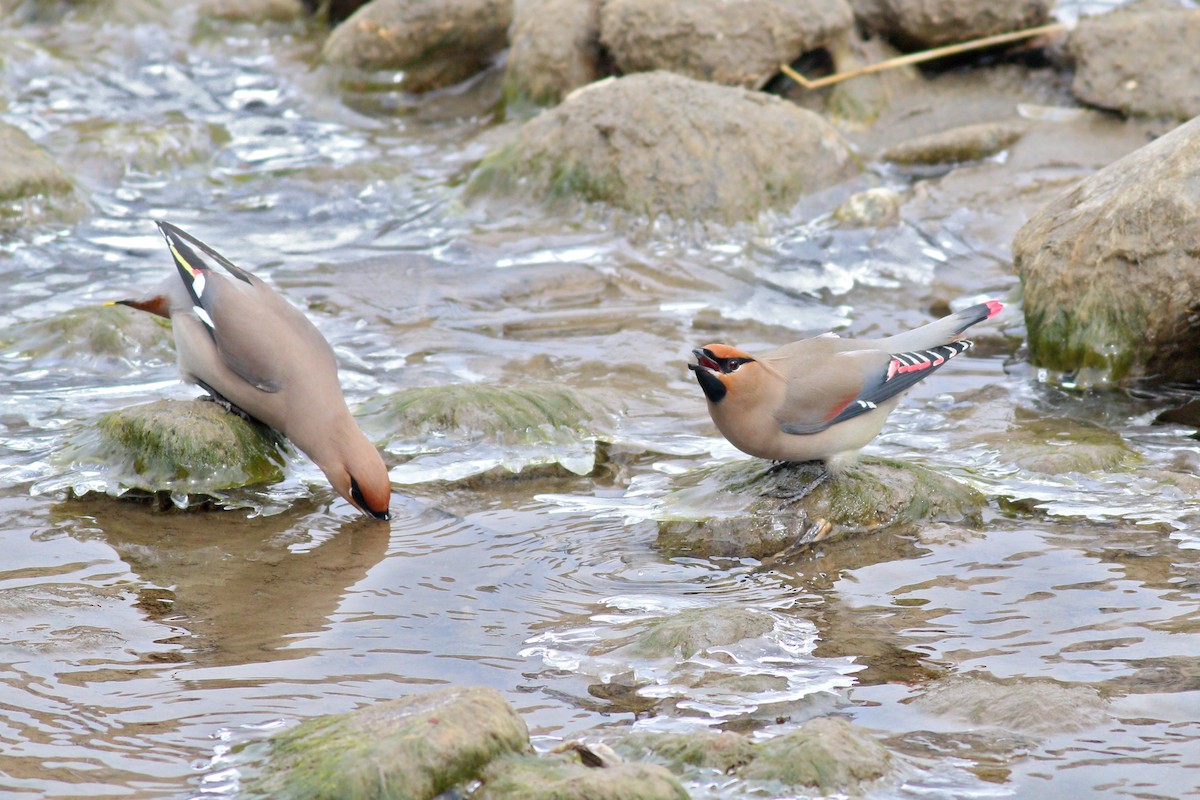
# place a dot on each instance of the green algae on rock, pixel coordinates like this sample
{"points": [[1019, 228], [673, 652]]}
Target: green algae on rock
{"points": [[557, 778], [661, 144], [190, 447], [1031, 705], [461, 430], [412, 748], [826, 753], [749, 508]]}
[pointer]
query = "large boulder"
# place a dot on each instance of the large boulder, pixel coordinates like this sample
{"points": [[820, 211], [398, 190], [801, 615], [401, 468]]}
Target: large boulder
{"points": [[413, 748], [1111, 269], [554, 48], [435, 43], [659, 143], [1139, 59], [33, 190], [920, 24], [734, 42]]}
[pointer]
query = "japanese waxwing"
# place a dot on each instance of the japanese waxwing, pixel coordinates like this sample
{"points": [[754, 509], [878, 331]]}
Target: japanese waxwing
{"points": [[249, 348], [822, 399]]}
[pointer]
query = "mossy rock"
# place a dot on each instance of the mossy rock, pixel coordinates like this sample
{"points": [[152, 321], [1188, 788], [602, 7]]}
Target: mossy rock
{"points": [[1032, 705], [694, 630], [105, 149], [413, 748], [532, 778], [34, 191], [826, 753], [723, 751], [193, 447], [92, 333], [752, 509]]}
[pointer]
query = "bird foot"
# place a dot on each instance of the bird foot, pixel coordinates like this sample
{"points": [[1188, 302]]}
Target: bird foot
{"points": [[791, 495], [228, 406]]}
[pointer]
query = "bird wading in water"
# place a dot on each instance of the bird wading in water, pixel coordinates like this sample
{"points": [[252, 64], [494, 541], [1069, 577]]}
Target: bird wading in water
{"points": [[823, 399], [253, 351]]}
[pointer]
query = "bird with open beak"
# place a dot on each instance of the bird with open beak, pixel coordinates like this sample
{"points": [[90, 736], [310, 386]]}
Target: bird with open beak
{"points": [[251, 349], [823, 399]]}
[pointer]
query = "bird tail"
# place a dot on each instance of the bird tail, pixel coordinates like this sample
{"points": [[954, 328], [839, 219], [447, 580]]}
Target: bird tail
{"points": [[945, 330]]}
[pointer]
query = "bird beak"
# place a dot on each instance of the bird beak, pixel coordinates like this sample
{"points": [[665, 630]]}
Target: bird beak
{"points": [[704, 360], [383, 515]]}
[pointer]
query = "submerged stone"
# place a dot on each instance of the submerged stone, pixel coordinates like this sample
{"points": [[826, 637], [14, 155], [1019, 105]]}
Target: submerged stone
{"points": [[413, 748], [695, 630], [191, 447], [968, 143], [826, 753], [1021, 704], [532, 778], [752, 509], [661, 144], [33, 189], [456, 431], [722, 751], [89, 334]]}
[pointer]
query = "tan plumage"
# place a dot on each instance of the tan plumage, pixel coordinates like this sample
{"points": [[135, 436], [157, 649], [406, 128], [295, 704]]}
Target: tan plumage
{"points": [[245, 344], [823, 399]]}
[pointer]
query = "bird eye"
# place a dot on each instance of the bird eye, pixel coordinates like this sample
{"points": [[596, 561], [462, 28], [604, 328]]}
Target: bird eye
{"points": [[733, 364]]}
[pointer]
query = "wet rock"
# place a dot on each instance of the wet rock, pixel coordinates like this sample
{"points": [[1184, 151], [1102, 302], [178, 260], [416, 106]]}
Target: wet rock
{"points": [[688, 632], [192, 447], [33, 190], [751, 509], [1139, 59], [740, 43], [722, 751], [921, 24], [1111, 271], [531, 778], [860, 102], [435, 43], [467, 429], [554, 48], [252, 10], [873, 208], [658, 143], [414, 747], [826, 753], [1020, 704], [968, 143], [95, 335]]}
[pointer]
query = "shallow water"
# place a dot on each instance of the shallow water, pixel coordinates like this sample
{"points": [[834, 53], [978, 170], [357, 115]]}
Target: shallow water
{"points": [[137, 647]]}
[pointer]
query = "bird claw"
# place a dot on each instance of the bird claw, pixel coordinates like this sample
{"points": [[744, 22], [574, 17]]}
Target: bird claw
{"points": [[228, 406]]}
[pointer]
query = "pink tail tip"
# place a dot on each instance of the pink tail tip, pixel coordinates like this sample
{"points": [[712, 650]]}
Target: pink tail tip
{"points": [[994, 307]]}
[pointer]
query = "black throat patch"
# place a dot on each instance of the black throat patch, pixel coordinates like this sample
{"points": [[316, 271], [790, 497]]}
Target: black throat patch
{"points": [[714, 390]]}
